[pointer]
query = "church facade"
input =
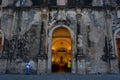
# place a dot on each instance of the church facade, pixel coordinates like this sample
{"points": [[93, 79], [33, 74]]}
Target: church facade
{"points": [[50, 33]]}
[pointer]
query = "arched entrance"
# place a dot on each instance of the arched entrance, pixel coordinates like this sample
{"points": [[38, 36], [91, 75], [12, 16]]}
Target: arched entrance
{"points": [[118, 48], [72, 43], [61, 50], [1, 41]]}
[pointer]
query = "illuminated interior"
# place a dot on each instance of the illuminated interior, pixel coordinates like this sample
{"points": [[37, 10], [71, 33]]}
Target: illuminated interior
{"points": [[0, 42], [61, 49], [118, 48]]}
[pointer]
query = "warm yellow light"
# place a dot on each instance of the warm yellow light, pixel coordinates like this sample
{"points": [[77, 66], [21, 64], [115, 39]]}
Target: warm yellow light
{"points": [[53, 48], [53, 59], [69, 48]]}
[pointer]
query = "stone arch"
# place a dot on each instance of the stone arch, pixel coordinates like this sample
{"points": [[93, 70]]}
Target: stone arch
{"points": [[72, 45], [115, 47], [115, 33], [58, 26]]}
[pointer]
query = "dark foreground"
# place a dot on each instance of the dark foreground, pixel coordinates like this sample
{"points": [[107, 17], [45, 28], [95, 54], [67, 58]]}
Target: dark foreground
{"points": [[60, 76]]}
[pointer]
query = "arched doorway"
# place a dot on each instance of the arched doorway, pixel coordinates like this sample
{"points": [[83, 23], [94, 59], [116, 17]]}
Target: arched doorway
{"points": [[118, 48], [73, 47], [1, 41], [61, 49]]}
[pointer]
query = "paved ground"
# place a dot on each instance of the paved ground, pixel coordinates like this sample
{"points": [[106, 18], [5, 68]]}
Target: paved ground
{"points": [[60, 76]]}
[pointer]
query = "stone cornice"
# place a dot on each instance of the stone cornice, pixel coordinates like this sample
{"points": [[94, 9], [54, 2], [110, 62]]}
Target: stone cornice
{"points": [[62, 7]]}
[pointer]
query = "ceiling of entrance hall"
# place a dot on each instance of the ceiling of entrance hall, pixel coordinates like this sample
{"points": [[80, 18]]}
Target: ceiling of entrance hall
{"points": [[61, 39]]}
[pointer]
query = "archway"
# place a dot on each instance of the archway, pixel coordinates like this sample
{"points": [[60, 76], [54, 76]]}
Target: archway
{"points": [[73, 47], [118, 48], [61, 49], [1, 41]]}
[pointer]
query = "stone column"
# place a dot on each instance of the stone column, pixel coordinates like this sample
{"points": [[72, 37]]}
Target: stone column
{"points": [[42, 65], [42, 57], [113, 59], [10, 23], [49, 54], [81, 66], [44, 17], [79, 56]]}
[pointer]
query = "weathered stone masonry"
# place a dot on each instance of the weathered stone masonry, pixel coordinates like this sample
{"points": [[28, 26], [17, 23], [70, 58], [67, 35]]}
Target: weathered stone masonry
{"points": [[28, 32]]}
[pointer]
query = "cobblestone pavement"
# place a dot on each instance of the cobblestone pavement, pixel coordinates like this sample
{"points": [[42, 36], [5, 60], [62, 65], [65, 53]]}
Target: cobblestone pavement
{"points": [[60, 76]]}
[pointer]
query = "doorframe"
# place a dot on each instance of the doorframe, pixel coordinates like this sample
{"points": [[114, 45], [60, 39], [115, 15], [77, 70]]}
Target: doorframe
{"points": [[72, 35], [115, 46], [2, 36]]}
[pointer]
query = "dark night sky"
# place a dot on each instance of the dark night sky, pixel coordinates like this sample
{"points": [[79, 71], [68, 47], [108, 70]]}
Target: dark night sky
{"points": [[0, 2], [86, 2], [37, 2], [118, 1]]}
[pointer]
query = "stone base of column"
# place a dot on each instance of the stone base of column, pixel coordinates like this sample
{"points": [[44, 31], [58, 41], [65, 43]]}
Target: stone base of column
{"points": [[42, 67], [81, 66], [3, 65]]}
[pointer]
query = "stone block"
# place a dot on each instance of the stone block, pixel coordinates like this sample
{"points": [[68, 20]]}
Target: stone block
{"points": [[3, 65], [42, 67], [81, 67]]}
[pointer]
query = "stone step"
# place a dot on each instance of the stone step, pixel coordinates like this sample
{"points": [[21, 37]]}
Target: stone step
{"points": [[60, 76]]}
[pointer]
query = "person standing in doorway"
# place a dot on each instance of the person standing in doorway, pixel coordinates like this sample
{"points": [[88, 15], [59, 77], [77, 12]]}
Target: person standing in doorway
{"points": [[69, 65]]}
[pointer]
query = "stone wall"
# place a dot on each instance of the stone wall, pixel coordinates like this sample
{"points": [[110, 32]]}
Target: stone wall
{"points": [[94, 26], [3, 65]]}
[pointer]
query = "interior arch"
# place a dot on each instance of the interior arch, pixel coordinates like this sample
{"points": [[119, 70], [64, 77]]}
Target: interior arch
{"points": [[118, 47], [61, 49]]}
